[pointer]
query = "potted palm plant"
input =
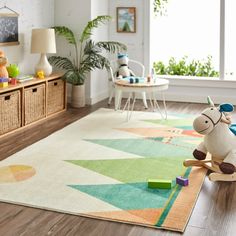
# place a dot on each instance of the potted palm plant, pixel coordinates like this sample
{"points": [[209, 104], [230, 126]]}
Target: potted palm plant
{"points": [[89, 55]]}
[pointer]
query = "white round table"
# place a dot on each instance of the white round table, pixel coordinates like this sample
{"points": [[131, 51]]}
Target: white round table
{"points": [[150, 88]]}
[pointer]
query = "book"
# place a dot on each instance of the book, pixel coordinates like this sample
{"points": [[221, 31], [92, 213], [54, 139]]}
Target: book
{"points": [[24, 78]]}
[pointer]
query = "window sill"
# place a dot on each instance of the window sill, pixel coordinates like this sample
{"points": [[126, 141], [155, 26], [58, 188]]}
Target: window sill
{"points": [[194, 81]]}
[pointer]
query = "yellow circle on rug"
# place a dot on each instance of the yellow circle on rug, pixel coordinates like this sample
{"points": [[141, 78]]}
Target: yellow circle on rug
{"points": [[15, 173]]}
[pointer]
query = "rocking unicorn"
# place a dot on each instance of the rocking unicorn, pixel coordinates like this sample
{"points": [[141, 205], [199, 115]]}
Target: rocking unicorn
{"points": [[219, 141]]}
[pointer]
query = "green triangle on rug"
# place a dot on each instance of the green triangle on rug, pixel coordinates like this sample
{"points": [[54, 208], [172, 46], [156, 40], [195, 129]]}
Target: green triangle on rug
{"points": [[131, 196], [173, 122], [136, 169], [186, 142], [144, 147]]}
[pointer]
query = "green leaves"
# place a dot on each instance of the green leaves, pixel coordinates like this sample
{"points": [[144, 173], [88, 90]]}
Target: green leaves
{"points": [[87, 32], [184, 67], [111, 46], [72, 74], [92, 59], [90, 56], [65, 32], [61, 62], [159, 6]]}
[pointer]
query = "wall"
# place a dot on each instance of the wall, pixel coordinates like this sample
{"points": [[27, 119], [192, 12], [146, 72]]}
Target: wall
{"points": [[75, 14], [99, 78], [33, 14], [136, 42]]}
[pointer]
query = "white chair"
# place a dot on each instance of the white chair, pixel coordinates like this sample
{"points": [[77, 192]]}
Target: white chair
{"points": [[139, 70]]}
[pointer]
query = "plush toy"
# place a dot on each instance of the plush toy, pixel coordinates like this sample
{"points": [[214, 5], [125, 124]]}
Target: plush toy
{"points": [[219, 139], [3, 63], [124, 70]]}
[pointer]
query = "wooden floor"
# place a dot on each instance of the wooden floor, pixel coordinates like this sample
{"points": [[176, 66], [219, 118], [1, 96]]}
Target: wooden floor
{"points": [[214, 213]]}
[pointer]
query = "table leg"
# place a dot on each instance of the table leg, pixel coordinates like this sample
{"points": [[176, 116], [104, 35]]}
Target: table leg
{"points": [[127, 102], [132, 108], [155, 105], [164, 103]]}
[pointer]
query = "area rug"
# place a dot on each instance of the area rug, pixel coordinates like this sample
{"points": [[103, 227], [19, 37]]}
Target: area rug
{"points": [[99, 167]]}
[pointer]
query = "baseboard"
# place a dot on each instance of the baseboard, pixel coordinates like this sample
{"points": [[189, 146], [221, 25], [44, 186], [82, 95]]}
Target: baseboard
{"points": [[90, 101], [173, 94]]}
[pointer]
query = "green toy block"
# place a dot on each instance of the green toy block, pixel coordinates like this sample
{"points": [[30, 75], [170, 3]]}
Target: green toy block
{"points": [[160, 183]]}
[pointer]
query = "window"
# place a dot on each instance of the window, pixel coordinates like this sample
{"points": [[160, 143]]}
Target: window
{"points": [[187, 33], [230, 39]]}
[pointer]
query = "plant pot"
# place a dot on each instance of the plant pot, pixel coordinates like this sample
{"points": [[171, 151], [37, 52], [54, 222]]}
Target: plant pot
{"points": [[78, 96]]}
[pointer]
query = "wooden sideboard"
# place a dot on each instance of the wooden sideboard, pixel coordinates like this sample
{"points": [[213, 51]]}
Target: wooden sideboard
{"points": [[32, 101]]}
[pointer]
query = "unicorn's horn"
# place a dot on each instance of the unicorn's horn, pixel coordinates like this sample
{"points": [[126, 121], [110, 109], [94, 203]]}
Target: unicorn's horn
{"points": [[210, 102]]}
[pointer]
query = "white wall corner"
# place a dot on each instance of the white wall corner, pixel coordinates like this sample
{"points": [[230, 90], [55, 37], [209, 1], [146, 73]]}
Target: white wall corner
{"points": [[147, 14], [99, 97]]}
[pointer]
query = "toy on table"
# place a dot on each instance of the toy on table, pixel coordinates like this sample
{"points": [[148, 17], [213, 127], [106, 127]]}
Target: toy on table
{"points": [[182, 181], [3, 63], [160, 183], [3, 82], [123, 69], [40, 74], [219, 141]]}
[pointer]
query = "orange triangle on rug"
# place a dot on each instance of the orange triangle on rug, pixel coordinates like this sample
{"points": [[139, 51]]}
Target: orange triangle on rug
{"points": [[146, 216]]}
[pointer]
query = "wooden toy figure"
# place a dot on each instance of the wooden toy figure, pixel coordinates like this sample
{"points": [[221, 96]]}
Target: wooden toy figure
{"points": [[219, 141], [40, 74]]}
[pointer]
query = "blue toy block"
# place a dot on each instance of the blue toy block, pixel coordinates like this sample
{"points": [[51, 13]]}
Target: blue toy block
{"points": [[181, 181]]}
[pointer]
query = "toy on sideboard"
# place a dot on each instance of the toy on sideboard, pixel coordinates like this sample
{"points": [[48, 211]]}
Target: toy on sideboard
{"points": [[40, 74], [123, 70], [3, 82], [3, 63], [219, 141]]}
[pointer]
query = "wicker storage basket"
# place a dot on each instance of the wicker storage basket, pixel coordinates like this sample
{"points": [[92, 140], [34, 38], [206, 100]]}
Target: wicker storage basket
{"points": [[34, 99], [55, 98], [10, 111]]}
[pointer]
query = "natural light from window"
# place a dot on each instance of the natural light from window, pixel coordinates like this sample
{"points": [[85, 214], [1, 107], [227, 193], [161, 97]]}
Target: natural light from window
{"points": [[230, 39], [190, 29]]}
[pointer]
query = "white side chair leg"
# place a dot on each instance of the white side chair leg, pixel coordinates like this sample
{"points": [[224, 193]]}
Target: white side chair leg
{"points": [[144, 100], [111, 96], [118, 96]]}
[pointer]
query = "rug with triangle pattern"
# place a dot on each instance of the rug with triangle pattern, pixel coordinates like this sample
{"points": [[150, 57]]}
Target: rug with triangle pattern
{"points": [[99, 167]]}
